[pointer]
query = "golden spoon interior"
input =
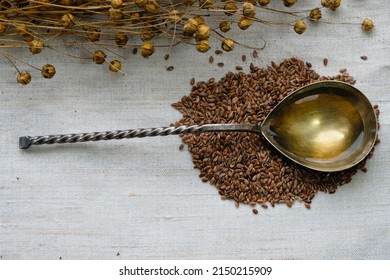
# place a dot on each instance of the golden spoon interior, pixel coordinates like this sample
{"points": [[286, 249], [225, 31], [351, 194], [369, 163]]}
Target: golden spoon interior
{"points": [[325, 126]]}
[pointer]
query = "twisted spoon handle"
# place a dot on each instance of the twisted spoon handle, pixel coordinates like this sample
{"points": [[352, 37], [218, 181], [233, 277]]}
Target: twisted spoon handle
{"points": [[26, 141]]}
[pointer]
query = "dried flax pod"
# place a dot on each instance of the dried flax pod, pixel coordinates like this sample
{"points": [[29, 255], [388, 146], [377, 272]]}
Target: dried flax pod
{"points": [[87, 24]]}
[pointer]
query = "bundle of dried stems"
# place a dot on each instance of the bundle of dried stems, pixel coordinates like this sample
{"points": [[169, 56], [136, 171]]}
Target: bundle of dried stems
{"points": [[97, 26]]}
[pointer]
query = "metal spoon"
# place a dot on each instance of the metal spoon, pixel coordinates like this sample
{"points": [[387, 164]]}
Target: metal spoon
{"points": [[325, 126]]}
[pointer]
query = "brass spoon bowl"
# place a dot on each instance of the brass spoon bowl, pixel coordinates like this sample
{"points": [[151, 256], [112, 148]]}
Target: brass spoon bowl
{"points": [[325, 126]]}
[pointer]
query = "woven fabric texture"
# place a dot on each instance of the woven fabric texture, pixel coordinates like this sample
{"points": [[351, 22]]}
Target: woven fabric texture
{"points": [[142, 198]]}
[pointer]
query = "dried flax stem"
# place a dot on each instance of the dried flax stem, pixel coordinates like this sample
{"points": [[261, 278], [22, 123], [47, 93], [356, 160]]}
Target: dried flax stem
{"points": [[37, 24]]}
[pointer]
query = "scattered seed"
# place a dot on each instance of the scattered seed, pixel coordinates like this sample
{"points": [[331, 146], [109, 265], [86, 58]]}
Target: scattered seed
{"points": [[192, 81], [166, 57], [211, 59], [238, 68], [255, 54], [308, 64], [181, 147], [377, 111], [220, 64], [255, 211], [307, 205], [218, 52], [240, 166], [364, 57], [243, 58], [343, 70], [326, 62], [135, 50], [170, 68]]}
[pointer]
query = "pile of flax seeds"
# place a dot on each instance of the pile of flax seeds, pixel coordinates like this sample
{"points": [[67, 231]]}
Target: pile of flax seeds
{"points": [[244, 167]]}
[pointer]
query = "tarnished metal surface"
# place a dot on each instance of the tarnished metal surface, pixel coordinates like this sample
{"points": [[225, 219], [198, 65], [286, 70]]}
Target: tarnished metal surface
{"points": [[325, 126]]}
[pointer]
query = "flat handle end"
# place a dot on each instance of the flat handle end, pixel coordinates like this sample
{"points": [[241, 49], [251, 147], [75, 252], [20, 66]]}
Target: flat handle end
{"points": [[25, 142]]}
